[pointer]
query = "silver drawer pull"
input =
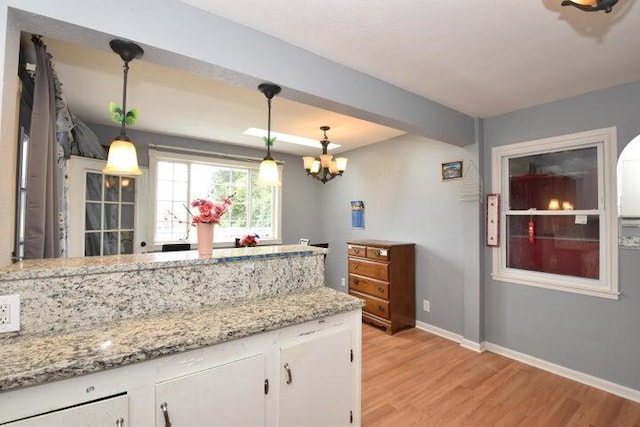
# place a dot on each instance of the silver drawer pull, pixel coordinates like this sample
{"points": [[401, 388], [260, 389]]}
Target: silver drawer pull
{"points": [[289, 376], [120, 422], [165, 412]]}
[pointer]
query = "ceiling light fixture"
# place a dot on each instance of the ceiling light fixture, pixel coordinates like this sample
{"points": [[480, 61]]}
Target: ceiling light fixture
{"points": [[122, 158], [268, 174], [591, 5], [326, 168]]}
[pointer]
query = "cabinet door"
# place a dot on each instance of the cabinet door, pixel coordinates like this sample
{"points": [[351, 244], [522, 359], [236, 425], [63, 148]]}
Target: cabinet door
{"points": [[315, 380], [108, 413], [227, 395], [106, 213]]}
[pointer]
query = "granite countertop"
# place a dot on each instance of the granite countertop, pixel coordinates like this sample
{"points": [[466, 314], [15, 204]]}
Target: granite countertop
{"points": [[44, 268], [37, 359]]}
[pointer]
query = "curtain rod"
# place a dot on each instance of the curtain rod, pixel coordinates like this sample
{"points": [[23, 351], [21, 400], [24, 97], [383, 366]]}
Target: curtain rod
{"points": [[178, 150]]}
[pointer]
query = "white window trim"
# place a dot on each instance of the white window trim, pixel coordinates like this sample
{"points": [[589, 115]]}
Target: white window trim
{"points": [[607, 286], [208, 158]]}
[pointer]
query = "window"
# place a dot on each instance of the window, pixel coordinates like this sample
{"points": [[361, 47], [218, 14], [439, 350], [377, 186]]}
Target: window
{"points": [[181, 178], [558, 214]]}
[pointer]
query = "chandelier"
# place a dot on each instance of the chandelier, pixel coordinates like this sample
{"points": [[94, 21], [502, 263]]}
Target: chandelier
{"points": [[591, 5], [326, 168]]}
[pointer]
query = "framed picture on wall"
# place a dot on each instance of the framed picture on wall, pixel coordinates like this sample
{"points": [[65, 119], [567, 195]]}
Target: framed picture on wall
{"points": [[357, 214], [452, 170]]}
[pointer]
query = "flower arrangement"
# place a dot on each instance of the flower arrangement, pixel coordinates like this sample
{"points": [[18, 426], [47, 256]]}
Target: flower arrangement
{"points": [[209, 212], [249, 240]]}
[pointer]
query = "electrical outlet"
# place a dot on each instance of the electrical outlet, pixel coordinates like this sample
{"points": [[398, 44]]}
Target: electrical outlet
{"points": [[9, 313], [426, 305], [343, 282]]}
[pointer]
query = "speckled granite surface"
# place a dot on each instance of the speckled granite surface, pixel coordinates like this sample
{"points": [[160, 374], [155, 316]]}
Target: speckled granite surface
{"points": [[36, 359], [67, 294], [47, 268]]}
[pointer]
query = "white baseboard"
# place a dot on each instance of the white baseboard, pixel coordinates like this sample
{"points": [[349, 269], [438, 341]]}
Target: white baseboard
{"points": [[581, 377], [439, 331], [468, 344], [472, 345]]}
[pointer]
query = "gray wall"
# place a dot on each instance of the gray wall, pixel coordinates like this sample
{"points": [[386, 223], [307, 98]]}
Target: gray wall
{"points": [[300, 197], [405, 200], [212, 47], [589, 334]]}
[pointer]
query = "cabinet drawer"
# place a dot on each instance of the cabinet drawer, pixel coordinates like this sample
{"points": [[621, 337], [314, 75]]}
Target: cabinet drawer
{"points": [[382, 254], [356, 250], [369, 286], [373, 305], [377, 270]]}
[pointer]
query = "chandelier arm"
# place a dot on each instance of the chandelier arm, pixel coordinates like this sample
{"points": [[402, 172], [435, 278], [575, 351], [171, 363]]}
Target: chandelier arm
{"points": [[605, 5]]}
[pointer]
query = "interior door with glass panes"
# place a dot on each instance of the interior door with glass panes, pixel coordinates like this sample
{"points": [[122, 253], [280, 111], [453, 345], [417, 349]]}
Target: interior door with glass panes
{"points": [[105, 215]]}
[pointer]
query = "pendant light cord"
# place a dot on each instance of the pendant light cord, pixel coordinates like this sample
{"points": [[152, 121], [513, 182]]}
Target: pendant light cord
{"points": [[269, 128], [124, 98]]}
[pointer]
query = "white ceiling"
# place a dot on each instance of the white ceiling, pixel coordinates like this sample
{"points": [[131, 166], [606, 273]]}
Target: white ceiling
{"points": [[481, 58]]}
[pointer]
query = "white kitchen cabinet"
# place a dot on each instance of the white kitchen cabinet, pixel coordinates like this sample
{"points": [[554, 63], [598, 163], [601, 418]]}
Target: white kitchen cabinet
{"points": [[223, 384], [227, 395], [110, 412], [316, 379]]}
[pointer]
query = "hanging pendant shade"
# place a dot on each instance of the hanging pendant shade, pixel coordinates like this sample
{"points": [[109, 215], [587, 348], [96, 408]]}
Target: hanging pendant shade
{"points": [[122, 158], [268, 175]]}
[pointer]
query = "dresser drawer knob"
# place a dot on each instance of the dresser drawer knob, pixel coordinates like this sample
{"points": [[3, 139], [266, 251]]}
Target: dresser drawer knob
{"points": [[355, 281], [354, 266], [380, 308], [381, 289]]}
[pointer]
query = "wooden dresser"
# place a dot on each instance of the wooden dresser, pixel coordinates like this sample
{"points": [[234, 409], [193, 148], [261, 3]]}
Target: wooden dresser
{"points": [[383, 274]]}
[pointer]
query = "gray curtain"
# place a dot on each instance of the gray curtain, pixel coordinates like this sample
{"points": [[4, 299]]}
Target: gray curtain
{"points": [[42, 228]]}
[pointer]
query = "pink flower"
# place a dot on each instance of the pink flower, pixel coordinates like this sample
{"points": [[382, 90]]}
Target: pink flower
{"points": [[209, 212]]}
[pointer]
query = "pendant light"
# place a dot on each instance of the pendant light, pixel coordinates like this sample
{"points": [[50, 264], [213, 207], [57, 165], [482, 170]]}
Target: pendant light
{"points": [[268, 174], [591, 5], [326, 168], [122, 158]]}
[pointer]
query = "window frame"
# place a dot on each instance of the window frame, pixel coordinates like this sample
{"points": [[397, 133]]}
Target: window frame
{"points": [[605, 140], [213, 159]]}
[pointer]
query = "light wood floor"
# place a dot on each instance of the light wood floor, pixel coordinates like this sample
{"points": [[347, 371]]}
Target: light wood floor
{"points": [[416, 378]]}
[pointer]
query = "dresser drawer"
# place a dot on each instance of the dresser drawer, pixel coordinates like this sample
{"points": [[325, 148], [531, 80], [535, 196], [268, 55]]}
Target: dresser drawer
{"points": [[382, 254], [373, 287], [376, 270], [373, 305], [355, 250]]}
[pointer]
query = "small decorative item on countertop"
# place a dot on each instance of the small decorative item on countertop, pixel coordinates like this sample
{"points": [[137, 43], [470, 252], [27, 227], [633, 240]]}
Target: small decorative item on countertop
{"points": [[209, 214], [249, 240]]}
